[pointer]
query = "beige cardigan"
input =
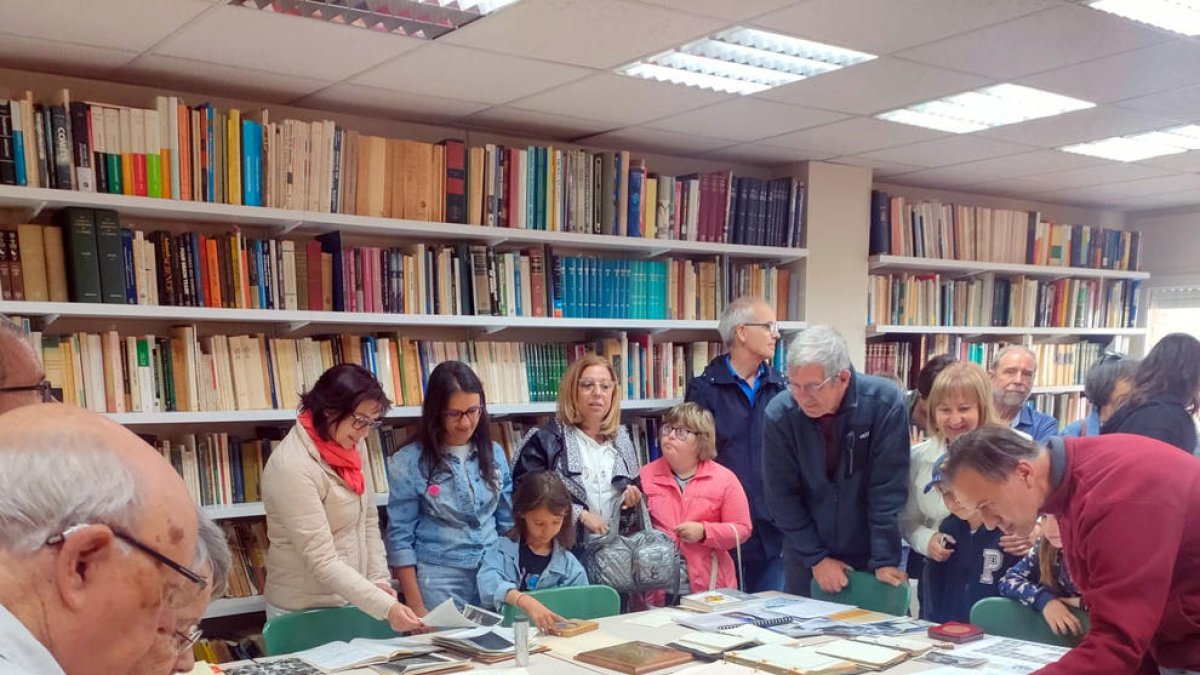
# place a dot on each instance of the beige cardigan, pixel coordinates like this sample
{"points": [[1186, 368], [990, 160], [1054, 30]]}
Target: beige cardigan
{"points": [[325, 545]]}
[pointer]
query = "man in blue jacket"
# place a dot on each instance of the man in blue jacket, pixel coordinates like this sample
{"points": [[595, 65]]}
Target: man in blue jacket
{"points": [[1012, 373], [736, 388], [835, 467]]}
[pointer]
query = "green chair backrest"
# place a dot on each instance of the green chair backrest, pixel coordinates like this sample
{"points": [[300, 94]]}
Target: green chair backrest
{"points": [[572, 602], [295, 631], [867, 592], [1009, 618]]}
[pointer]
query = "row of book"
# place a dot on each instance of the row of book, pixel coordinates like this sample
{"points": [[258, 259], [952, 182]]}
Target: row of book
{"points": [[202, 153], [105, 262], [1066, 408], [248, 545], [988, 300], [933, 229], [184, 371], [1058, 364]]}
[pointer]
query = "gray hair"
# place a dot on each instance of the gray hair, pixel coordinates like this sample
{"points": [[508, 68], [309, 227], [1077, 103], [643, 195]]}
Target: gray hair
{"points": [[1103, 376], [736, 314], [1010, 349], [822, 345], [992, 451], [67, 478], [212, 548]]}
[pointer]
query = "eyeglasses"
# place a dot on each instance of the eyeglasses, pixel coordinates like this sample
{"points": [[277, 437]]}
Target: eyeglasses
{"points": [[454, 415], [200, 582], [680, 433], [590, 385], [1108, 356], [364, 422], [771, 326], [185, 641], [44, 388], [810, 389]]}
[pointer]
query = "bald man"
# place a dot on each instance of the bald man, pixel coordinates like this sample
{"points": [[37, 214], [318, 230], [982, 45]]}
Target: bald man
{"points": [[97, 535], [22, 379]]}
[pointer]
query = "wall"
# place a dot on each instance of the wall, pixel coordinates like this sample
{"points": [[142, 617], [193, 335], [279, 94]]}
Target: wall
{"points": [[1171, 246]]}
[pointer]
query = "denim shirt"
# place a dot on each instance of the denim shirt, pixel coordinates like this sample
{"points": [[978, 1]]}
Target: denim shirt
{"points": [[447, 519], [501, 572]]}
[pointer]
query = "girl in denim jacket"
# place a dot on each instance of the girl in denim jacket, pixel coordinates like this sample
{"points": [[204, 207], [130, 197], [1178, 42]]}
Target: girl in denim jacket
{"points": [[449, 494]]}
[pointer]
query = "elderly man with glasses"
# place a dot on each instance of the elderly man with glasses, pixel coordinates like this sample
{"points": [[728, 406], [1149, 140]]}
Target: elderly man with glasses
{"points": [[22, 378], [92, 570], [835, 467]]}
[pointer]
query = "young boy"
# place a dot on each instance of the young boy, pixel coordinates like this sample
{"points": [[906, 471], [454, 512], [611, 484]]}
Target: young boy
{"points": [[972, 572]]}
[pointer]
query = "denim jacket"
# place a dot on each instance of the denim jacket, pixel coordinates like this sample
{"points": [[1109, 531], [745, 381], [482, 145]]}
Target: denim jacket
{"points": [[501, 571], [447, 519]]}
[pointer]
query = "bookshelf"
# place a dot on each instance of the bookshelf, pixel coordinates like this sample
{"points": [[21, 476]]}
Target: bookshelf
{"points": [[1031, 331], [222, 607], [894, 263], [255, 509]]}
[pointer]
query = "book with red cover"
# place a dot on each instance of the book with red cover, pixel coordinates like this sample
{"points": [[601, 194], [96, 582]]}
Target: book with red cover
{"points": [[956, 632]]}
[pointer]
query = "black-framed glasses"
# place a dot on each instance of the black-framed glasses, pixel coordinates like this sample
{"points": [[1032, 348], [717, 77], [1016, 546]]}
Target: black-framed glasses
{"points": [[680, 433], [363, 422], [185, 641], [771, 326], [454, 414], [200, 582], [44, 388]]}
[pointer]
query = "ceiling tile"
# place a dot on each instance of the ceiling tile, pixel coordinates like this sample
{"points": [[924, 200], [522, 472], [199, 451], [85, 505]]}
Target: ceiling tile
{"points": [[1184, 161], [1075, 127], [372, 102], [624, 101], [284, 44], [879, 168], [1165, 66], [875, 86], [1051, 39], [1012, 166], [1182, 104], [768, 155], [946, 151], [854, 136], [61, 57], [466, 74], [218, 80], [1153, 186], [1111, 172], [745, 119], [128, 25], [722, 9], [884, 26], [535, 124], [642, 139], [593, 33]]}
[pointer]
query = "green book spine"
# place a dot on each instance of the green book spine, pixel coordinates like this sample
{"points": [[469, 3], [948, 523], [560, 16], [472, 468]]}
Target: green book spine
{"points": [[79, 228], [116, 181], [111, 257], [154, 175]]}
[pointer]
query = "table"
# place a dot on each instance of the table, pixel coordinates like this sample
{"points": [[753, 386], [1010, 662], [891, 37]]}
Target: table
{"points": [[623, 628]]}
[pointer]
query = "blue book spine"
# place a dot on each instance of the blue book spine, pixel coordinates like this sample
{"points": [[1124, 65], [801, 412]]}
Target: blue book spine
{"points": [[515, 266], [262, 273], [18, 151], [530, 192], [235, 471], [201, 298], [210, 169], [368, 347], [541, 189], [637, 176], [252, 163], [131, 295]]}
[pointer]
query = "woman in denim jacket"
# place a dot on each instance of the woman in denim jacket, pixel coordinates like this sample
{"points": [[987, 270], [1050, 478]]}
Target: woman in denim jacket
{"points": [[449, 494]]}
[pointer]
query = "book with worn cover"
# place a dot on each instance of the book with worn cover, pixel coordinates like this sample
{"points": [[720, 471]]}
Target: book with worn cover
{"points": [[872, 656], [634, 657], [720, 600], [785, 660], [336, 656]]}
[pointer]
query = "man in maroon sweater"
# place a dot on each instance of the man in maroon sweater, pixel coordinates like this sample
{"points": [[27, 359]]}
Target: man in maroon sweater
{"points": [[1129, 511]]}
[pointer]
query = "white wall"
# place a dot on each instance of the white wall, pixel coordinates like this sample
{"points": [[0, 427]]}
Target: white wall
{"points": [[1171, 246]]}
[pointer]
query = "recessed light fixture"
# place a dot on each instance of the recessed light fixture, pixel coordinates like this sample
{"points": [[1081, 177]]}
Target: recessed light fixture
{"points": [[421, 19], [985, 108], [1134, 147], [743, 61], [1179, 16]]}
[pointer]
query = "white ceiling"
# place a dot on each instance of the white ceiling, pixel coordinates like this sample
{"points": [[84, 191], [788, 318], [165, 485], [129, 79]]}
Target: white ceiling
{"points": [[543, 68]]}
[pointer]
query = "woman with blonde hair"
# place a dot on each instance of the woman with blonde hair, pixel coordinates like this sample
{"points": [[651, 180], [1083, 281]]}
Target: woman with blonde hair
{"points": [[586, 446], [700, 503]]}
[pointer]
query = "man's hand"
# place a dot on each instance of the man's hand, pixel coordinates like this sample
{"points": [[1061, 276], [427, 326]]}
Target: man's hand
{"points": [[940, 547], [891, 575], [594, 523], [690, 532], [831, 576], [1061, 620], [631, 497]]}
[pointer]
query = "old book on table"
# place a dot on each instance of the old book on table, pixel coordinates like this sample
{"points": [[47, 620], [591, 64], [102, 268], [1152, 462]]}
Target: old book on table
{"points": [[336, 656], [784, 660], [908, 645], [872, 656], [720, 600], [422, 664], [635, 657]]}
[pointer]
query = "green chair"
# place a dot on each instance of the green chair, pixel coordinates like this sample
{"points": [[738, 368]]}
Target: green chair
{"points": [[867, 592], [1009, 618], [572, 602], [295, 631]]}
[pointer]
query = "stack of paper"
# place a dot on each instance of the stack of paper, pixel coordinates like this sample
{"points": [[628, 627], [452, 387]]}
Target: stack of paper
{"points": [[784, 660], [489, 641], [336, 656]]}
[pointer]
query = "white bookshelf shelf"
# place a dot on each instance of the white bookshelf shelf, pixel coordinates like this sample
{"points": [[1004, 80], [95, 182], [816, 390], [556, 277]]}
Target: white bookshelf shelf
{"points": [[235, 606], [876, 330], [1060, 389], [893, 263], [312, 321], [255, 509], [396, 412], [32, 201]]}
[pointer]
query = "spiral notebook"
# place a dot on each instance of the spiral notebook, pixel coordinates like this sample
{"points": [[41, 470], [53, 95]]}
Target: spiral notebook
{"points": [[729, 620]]}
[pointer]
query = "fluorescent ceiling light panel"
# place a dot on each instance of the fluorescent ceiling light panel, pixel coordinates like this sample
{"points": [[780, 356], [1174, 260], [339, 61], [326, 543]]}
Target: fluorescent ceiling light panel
{"points": [[1179, 16], [743, 61], [985, 108], [1137, 147], [422, 19]]}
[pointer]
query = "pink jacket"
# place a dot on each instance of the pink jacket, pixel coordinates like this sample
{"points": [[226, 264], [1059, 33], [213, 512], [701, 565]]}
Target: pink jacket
{"points": [[714, 498]]}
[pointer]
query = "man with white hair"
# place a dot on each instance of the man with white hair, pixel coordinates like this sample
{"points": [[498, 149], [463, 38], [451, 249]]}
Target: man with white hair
{"points": [[835, 467], [736, 388], [1012, 373], [97, 535]]}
